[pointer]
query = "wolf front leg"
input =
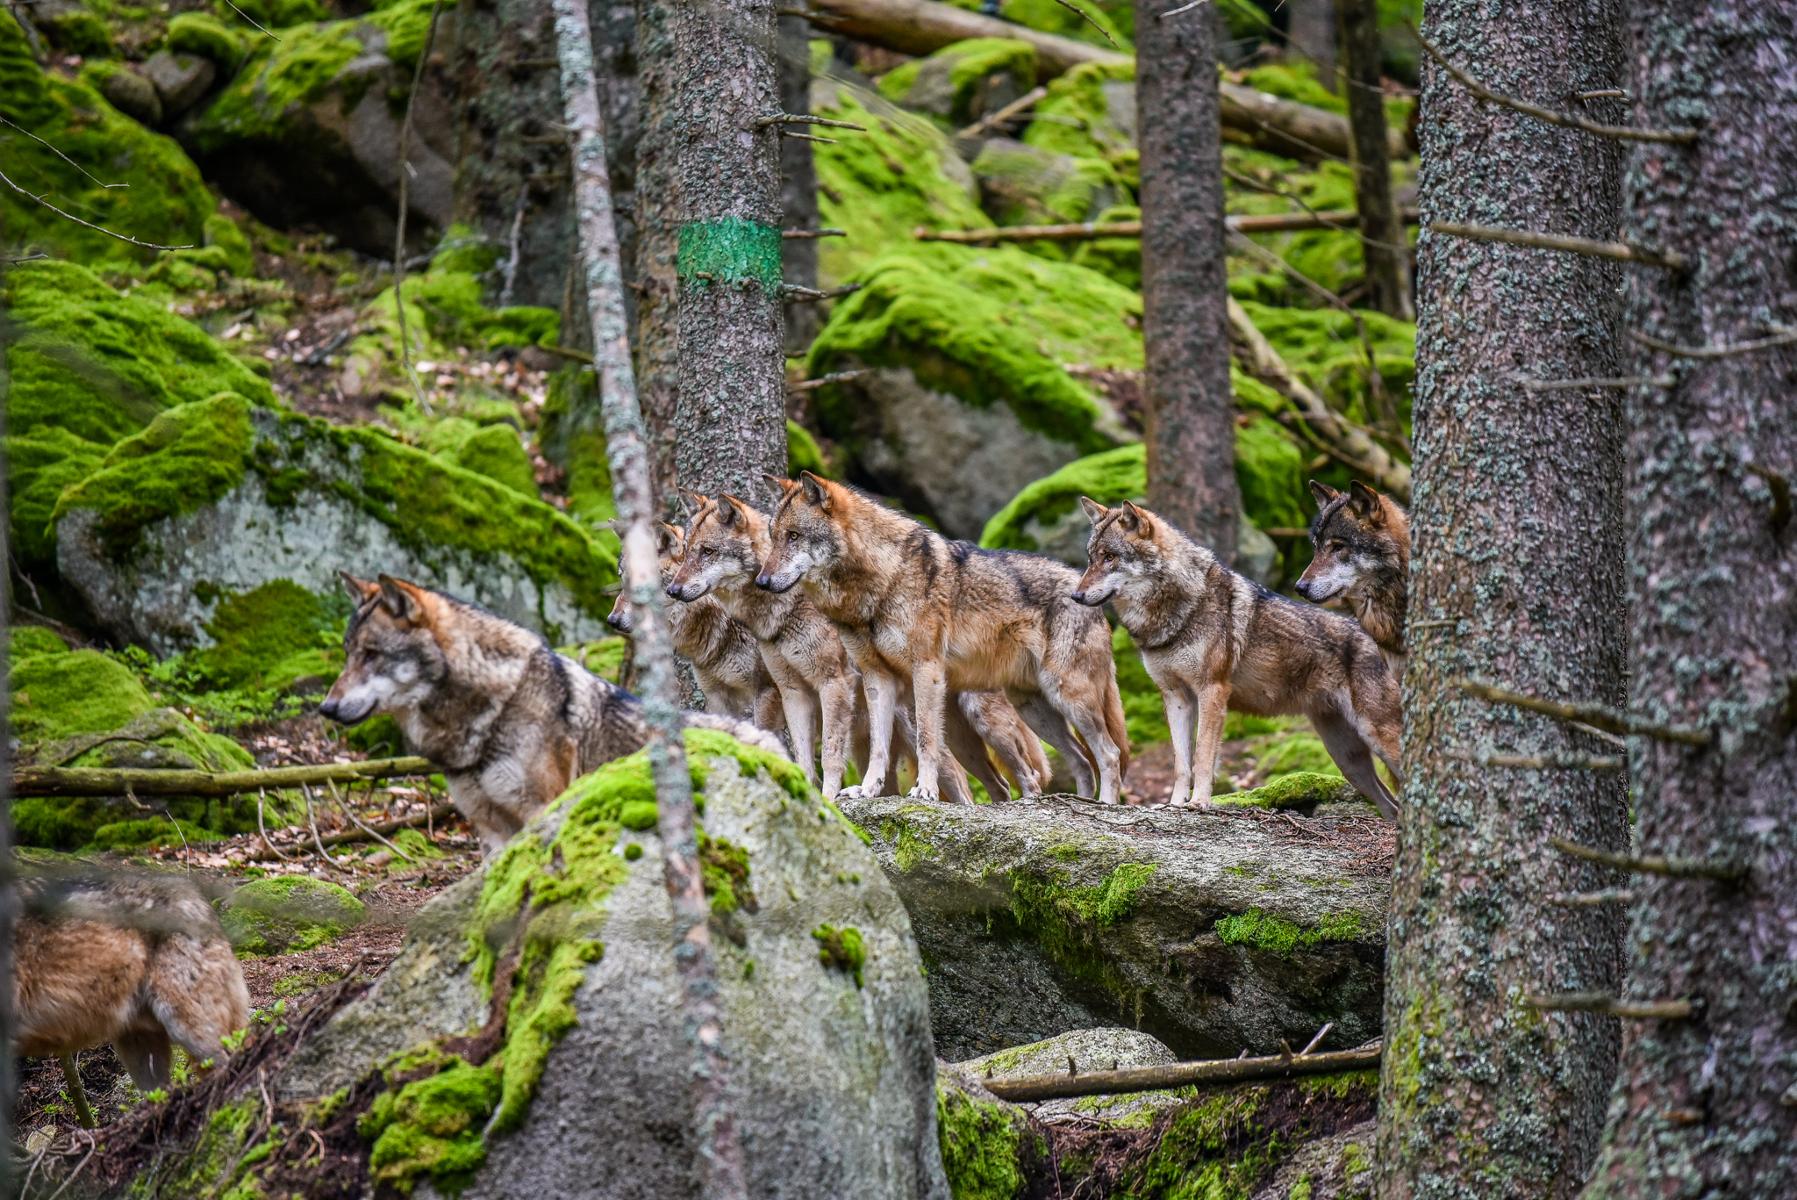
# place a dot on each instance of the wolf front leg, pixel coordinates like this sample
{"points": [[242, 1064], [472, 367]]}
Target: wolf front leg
{"points": [[882, 704], [1180, 714], [837, 699], [929, 697], [1213, 710]]}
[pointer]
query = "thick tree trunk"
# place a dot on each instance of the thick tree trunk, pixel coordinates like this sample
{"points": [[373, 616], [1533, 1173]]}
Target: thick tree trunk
{"points": [[1190, 407], [1381, 232], [1708, 1106], [730, 422], [798, 184], [1516, 578], [658, 237]]}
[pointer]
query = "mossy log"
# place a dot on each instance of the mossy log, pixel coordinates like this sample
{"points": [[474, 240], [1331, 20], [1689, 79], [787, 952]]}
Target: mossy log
{"points": [[1147, 1079], [1082, 231], [104, 781]]}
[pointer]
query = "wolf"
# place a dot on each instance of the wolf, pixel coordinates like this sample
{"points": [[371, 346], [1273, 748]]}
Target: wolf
{"points": [[1360, 542], [1213, 640], [914, 606], [138, 961], [508, 721], [727, 543], [725, 657]]}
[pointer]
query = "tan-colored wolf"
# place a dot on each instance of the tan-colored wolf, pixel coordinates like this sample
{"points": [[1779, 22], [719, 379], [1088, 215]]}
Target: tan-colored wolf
{"points": [[725, 656], [138, 961], [912, 605], [1360, 543], [727, 541], [1213, 640], [508, 720]]}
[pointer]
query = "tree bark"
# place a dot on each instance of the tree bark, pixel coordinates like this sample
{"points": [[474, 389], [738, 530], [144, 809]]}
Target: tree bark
{"points": [[658, 236], [798, 185], [1516, 578], [730, 422], [1709, 1106], [1382, 244], [1311, 37], [1190, 408], [719, 1168], [9, 1184]]}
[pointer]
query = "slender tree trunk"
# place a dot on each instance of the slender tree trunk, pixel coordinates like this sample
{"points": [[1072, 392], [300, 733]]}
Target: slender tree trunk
{"points": [[1382, 233], [1311, 35], [730, 421], [798, 184], [719, 1165], [8, 884], [1190, 407], [658, 236], [1516, 578], [1708, 1106]]}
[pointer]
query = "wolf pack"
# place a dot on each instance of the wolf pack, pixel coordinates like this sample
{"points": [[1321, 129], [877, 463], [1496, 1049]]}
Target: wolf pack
{"points": [[833, 630]]}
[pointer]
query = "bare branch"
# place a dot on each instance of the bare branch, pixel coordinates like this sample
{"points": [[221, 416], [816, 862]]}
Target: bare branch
{"points": [[1604, 94], [117, 781], [1650, 864], [1610, 1006], [1593, 899], [1625, 133], [792, 293], [1783, 337], [265, 33], [808, 385], [808, 137], [1547, 762], [59, 154], [1145, 1079], [1619, 251], [802, 235], [1583, 385], [1086, 230], [993, 120], [1184, 8], [69, 216], [1085, 16], [806, 119], [1607, 719]]}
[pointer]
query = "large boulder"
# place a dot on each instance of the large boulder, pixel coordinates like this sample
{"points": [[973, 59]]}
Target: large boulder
{"points": [[527, 1041], [217, 499], [1214, 931], [962, 82], [1022, 184]]}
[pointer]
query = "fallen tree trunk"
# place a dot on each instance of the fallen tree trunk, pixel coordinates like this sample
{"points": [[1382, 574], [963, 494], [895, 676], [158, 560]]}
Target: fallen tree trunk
{"points": [[1087, 230], [107, 781], [1149, 1079], [924, 26]]}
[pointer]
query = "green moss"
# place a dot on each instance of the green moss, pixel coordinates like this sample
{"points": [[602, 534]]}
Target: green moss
{"points": [[1066, 920], [1144, 712], [273, 637], [803, 453], [842, 948], [572, 437], [1301, 790], [432, 1127], [60, 696], [279, 78], [638, 815], [208, 37], [1076, 116], [1213, 1149], [302, 983], [284, 913], [27, 641], [982, 1146], [1025, 186], [1323, 346], [146, 832], [1115, 17], [966, 66], [218, 1157], [406, 23], [1261, 930], [908, 846], [494, 451], [416, 844], [1116, 258], [78, 31], [604, 657], [724, 871]]}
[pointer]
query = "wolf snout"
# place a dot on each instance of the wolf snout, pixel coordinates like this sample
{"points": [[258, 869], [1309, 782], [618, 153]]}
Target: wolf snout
{"points": [[617, 621], [764, 580], [674, 590], [331, 710], [1302, 587]]}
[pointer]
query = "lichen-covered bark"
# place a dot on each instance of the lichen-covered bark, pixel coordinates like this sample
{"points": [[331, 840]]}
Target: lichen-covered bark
{"points": [[798, 184], [1382, 235], [730, 419], [1517, 577], [1707, 1106], [1190, 408], [657, 225]]}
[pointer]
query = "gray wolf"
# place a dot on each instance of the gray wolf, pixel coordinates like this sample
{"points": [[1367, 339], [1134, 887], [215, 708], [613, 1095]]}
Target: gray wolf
{"points": [[138, 961], [1360, 542], [1213, 640], [508, 721], [947, 616]]}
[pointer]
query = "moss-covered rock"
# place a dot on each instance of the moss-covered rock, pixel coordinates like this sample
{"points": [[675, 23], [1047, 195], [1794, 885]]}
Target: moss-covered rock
{"points": [[205, 36], [1082, 1051], [965, 80], [1089, 112], [288, 912], [219, 498], [1022, 184], [1118, 258], [494, 451], [989, 1148], [1115, 19]]}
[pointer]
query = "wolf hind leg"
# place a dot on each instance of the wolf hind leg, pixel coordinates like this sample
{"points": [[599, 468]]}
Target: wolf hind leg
{"points": [[1355, 758], [147, 1055], [1052, 728], [837, 697], [969, 749]]}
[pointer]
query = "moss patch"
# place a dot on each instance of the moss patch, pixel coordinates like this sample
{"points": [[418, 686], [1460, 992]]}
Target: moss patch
{"points": [[950, 81], [1261, 930], [1066, 919], [982, 1144], [288, 912], [842, 948], [61, 695], [1301, 790], [494, 451], [431, 1127], [273, 637]]}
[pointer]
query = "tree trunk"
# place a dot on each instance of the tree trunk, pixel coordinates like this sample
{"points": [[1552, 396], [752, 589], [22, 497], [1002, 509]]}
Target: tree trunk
{"points": [[1517, 578], [798, 184], [1708, 1106], [1190, 409], [1382, 244], [1311, 37], [719, 1150], [730, 422], [657, 237]]}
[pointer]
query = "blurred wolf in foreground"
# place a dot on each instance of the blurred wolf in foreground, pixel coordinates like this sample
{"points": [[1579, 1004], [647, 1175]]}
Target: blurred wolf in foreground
{"points": [[510, 722], [138, 961], [1212, 640], [1360, 544]]}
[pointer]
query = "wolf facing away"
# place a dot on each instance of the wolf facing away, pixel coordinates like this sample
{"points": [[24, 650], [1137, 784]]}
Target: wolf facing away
{"points": [[1360, 543], [946, 616], [725, 657], [138, 961], [508, 720], [1212, 640]]}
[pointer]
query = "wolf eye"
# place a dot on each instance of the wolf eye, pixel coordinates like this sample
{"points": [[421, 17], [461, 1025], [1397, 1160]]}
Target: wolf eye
{"points": [[792, 536]]}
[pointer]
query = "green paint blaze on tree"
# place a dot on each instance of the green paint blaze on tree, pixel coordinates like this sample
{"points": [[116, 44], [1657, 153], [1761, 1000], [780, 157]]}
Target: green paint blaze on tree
{"points": [[729, 251]]}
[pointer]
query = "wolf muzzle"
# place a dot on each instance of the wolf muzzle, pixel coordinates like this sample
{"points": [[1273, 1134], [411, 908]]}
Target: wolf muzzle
{"points": [[334, 710]]}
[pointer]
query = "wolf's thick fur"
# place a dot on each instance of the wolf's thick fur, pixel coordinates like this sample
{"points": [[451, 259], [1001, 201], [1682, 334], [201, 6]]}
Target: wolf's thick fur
{"points": [[1212, 640], [508, 720], [912, 605], [136, 961], [1360, 543], [725, 656]]}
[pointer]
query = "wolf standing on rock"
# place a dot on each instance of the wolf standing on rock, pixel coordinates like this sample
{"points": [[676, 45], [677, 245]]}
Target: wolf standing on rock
{"points": [[1212, 640], [510, 722]]}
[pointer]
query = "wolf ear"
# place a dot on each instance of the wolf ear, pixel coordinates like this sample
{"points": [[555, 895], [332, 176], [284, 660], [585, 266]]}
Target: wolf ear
{"points": [[404, 600], [1134, 520], [780, 483], [359, 589], [691, 501], [732, 511], [666, 537], [1322, 493], [1093, 509], [816, 491], [1363, 502]]}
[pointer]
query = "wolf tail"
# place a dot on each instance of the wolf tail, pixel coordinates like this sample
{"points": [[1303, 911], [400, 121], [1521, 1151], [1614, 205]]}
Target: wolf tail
{"points": [[742, 731], [1115, 725]]}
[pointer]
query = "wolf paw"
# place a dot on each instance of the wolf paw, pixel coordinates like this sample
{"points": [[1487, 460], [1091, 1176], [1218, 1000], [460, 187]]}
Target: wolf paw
{"points": [[921, 792], [858, 791]]}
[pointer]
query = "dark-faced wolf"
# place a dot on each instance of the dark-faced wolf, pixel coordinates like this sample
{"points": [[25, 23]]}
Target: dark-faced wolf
{"points": [[1360, 543], [508, 720], [946, 616], [1212, 640]]}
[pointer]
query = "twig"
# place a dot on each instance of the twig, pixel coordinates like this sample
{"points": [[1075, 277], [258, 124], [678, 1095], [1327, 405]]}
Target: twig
{"points": [[1619, 251], [1086, 230], [1582, 385], [411, 821], [1088, 19], [71, 1079], [1626, 133], [1603, 94], [312, 823], [1610, 1006], [808, 137], [1314, 1042], [69, 216], [1782, 338], [1595, 899], [806, 235], [351, 814], [262, 826], [792, 293], [998, 117], [399, 235], [116, 781], [786, 118], [265, 33], [1184, 8], [1551, 761], [59, 154], [93, 1145], [1672, 868], [1607, 719], [1213, 1072], [579, 356], [808, 385]]}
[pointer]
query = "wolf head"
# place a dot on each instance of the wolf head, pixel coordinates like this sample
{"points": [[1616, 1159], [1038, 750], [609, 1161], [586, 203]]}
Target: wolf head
{"points": [[392, 657], [1352, 537], [670, 543], [806, 533], [1127, 544], [725, 542]]}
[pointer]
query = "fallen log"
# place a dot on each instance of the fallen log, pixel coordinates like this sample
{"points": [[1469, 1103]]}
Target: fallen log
{"points": [[1087, 230], [1215, 1072], [107, 781], [924, 26]]}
